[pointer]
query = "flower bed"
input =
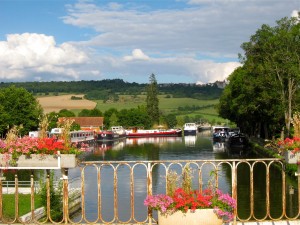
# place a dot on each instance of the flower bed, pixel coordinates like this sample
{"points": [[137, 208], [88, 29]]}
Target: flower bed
{"points": [[196, 217], [222, 204], [187, 201], [38, 152], [291, 149]]}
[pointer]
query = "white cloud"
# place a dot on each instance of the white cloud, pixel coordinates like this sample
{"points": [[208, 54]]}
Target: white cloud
{"points": [[167, 69], [27, 54], [137, 54], [198, 42], [217, 28], [295, 13], [218, 71]]}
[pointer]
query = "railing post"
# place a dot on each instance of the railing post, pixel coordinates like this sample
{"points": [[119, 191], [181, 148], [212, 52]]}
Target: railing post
{"points": [[65, 195], [149, 189], [298, 175], [1, 195], [16, 197], [32, 195], [234, 188], [48, 193]]}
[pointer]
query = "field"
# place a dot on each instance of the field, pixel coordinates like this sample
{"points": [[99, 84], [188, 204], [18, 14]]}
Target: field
{"points": [[166, 105], [56, 103]]}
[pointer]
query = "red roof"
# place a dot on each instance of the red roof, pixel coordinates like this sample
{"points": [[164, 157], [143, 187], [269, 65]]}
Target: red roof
{"points": [[86, 121]]}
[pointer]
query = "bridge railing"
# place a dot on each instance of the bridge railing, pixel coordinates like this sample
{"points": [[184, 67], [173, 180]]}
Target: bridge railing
{"points": [[114, 191]]}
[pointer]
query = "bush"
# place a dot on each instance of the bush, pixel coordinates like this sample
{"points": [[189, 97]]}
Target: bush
{"points": [[56, 205]]}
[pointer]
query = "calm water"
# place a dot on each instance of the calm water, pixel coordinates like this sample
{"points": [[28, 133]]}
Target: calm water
{"points": [[173, 148]]}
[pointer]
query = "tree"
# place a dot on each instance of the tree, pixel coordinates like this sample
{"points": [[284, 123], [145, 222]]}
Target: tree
{"points": [[113, 120], [66, 113], [90, 113], [250, 104], [18, 107], [134, 117], [274, 52], [170, 120], [152, 100], [107, 114], [84, 112], [53, 117]]}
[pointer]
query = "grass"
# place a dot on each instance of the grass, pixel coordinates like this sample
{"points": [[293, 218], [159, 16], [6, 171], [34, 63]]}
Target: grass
{"points": [[167, 105], [24, 204]]}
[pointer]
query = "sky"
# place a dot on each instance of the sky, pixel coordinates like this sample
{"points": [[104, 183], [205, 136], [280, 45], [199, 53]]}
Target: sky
{"points": [[179, 41]]}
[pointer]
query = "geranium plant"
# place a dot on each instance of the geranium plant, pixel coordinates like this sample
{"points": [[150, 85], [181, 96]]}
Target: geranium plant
{"points": [[290, 144], [13, 146], [185, 199]]}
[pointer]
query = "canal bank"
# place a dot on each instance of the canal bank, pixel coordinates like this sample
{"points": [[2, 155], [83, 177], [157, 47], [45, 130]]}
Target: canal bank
{"points": [[268, 149]]}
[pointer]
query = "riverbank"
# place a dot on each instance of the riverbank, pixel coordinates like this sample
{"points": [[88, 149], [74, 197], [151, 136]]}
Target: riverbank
{"points": [[265, 149]]}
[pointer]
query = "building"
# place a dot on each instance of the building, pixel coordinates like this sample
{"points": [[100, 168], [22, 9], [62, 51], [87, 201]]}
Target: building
{"points": [[87, 123]]}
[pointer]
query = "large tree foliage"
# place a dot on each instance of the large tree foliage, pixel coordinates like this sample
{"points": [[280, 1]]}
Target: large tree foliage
{"points": [[152, 100], [90, 113], [18, 107], [275, 53], [250, 104], [263, 92], [134, 117]]}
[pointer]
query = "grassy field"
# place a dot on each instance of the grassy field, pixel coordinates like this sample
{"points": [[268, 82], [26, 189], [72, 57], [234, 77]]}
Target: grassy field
{"points": [[24, 204], [166, 105]]}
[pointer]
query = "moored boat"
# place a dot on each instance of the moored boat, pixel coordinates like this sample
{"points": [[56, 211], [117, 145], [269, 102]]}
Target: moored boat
{"points": [[220, 133], [238, 140], [190, 129], [76, 136], [115, 133], [119, 130], [107, 135], [153, 133]]}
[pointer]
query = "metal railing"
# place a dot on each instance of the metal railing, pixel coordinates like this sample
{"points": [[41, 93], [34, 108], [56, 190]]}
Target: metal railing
{"points": [[8, 187], [114, 191]]}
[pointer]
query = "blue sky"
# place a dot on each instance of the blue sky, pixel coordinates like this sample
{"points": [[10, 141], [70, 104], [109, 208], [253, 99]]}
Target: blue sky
{"points": [[180, 41]]}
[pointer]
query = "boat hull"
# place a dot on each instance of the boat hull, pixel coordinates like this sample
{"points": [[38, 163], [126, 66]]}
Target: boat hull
{"points": [[190, 132], [107, 136], [190, 129], [154, 133]]}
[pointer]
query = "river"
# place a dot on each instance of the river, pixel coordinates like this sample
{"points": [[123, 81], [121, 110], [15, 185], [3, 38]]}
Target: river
{"points": [[174, 148]]}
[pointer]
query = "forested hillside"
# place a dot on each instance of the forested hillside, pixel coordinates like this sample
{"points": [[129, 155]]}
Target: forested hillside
{"points": [[104, 89]]}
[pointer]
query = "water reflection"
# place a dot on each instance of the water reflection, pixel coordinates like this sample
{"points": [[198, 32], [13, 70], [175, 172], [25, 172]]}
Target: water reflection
{"points": [[152, 140], [218, 146], [190, 140]]}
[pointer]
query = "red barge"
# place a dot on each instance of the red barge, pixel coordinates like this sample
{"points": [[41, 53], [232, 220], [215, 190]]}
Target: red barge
{"points": [[153, 133]]}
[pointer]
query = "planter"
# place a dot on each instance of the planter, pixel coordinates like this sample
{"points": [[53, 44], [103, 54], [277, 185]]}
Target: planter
{"points": [[38, 161], [200, 216], [291, 158]]}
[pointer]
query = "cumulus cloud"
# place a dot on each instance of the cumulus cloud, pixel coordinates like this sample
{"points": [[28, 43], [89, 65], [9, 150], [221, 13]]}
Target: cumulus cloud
{"points": [[218, 71], [295, 13], [23, 55], [198, 42], [137, 54], [184, 69], [218, 28]]}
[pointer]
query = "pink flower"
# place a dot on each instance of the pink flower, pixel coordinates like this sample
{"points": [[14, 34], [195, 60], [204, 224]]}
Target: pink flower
{"points": [[223, 204]]}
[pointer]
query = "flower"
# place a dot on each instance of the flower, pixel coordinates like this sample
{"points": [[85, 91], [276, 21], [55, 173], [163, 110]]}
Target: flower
{"points": [[15, 146], [290, 144], [223, 204], [185, 198], [29, 145]]}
